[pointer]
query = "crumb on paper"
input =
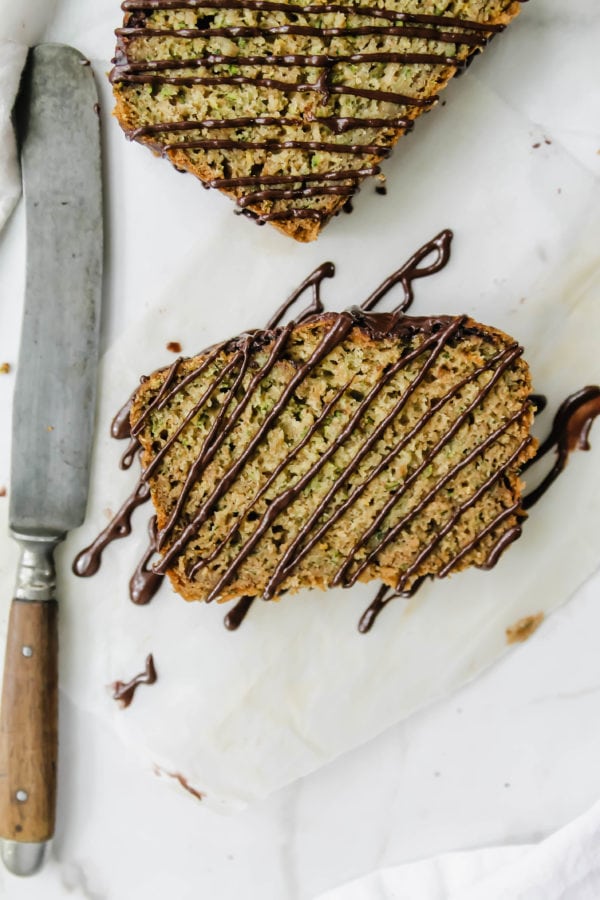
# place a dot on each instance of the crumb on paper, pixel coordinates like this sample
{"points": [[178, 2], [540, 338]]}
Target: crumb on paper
{"points": [[4, 368], [524, 628], [2, 491], [109, 513], [180, 779], [185, 785], [174, 346], [49, 427], [535, 146]]}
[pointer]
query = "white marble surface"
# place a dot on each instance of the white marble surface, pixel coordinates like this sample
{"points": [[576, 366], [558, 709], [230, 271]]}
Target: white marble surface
{"points": [[507, 759]]}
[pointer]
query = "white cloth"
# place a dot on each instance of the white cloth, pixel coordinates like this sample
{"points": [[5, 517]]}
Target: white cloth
{"points": [[22, 24], [12, 59], [565, 866]]}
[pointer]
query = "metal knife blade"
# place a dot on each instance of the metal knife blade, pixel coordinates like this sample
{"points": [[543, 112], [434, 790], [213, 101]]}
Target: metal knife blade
{"points": [[55, 387], [52, 425]]}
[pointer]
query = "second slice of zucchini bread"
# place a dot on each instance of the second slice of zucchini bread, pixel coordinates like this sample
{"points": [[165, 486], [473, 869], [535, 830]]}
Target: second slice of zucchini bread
{"points": [[354, 446], [288, 106]]}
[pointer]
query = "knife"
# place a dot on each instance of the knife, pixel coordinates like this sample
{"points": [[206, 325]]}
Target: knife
{"points": [[53, 417]]}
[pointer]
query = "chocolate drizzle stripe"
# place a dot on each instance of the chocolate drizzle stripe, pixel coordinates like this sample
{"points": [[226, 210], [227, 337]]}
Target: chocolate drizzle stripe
{"points": [[339, 175], [275, 194], [120, 427], [336, 124], [300, 87], [506, 538], [275, 146], [124, 692], [540, 402], [494, 553], [313, 281], [457, 38], [292, 60], [411, 270], [191, 376], [238, 613], [129, 454], [164, 391], [283, 214], [145, 583]]}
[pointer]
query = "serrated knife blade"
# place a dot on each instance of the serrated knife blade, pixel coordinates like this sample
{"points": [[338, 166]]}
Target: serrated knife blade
{"points": [[53, 419]]}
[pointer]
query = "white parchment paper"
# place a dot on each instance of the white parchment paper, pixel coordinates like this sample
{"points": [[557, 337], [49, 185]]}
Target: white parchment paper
{"points": [[239, 715], [242, 714]]}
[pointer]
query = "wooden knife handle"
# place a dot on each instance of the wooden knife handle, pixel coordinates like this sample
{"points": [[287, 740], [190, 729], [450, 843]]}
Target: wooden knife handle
{"points": [[29, 722]]}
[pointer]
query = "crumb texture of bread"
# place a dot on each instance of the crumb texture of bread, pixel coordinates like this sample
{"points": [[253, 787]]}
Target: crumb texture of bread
{"points": [[288, 106], [351, 447]]}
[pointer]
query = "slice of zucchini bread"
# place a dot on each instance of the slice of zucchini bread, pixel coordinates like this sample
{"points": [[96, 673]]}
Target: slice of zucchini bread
{"points": [[286, 106], [353, 446]]}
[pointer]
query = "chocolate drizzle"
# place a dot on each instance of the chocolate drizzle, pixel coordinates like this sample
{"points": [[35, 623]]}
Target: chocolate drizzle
{"points": [[120, 427], [237, 613], [320, 75], [414, 268], [314, 281], [124, 692], [570, 431], [88, 561], [540, 402], [145, 583]]}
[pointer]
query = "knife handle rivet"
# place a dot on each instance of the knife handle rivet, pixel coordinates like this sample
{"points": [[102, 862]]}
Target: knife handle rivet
{"points": [[22, 796], [27, 651]]}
